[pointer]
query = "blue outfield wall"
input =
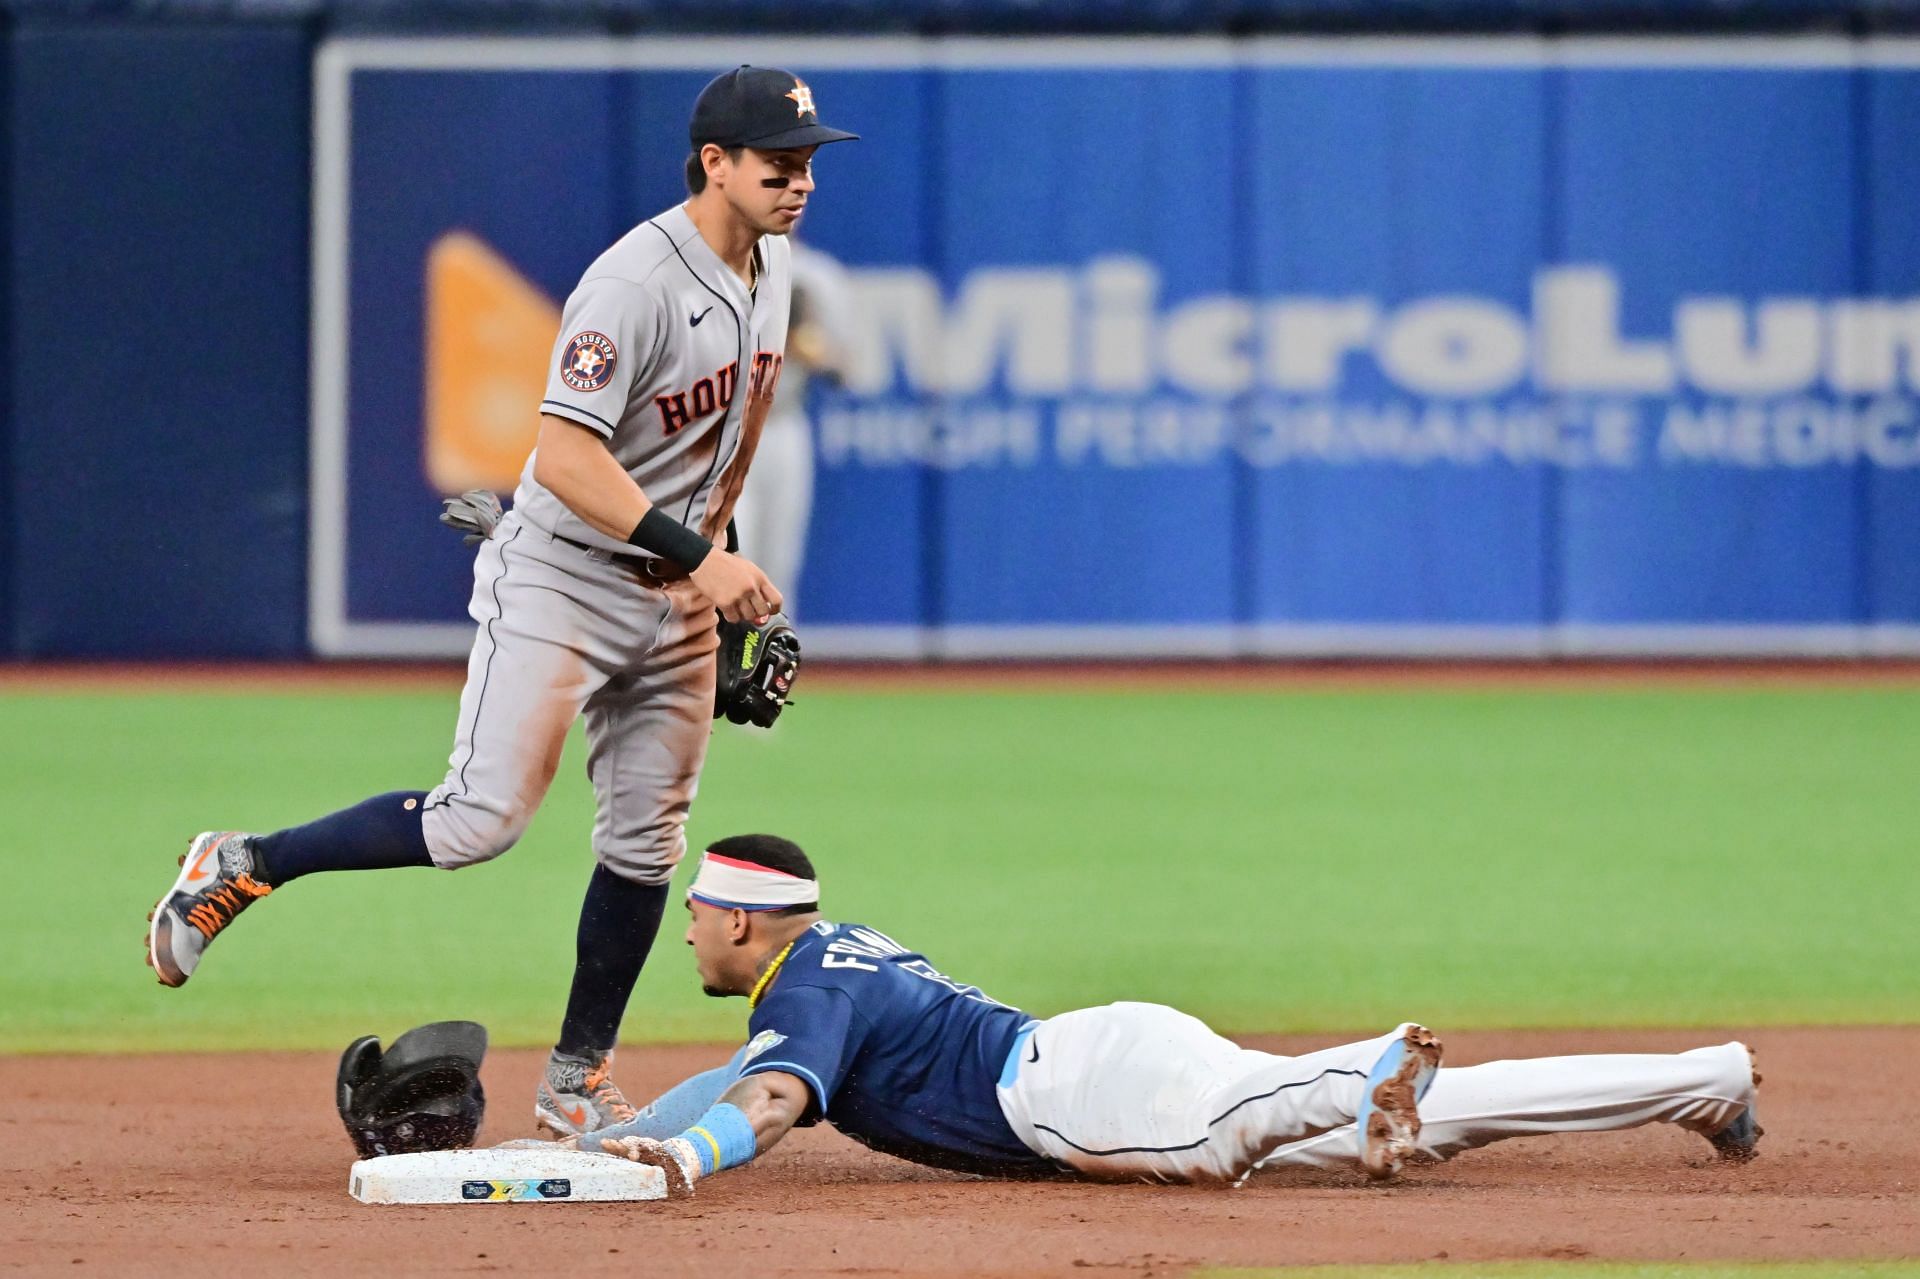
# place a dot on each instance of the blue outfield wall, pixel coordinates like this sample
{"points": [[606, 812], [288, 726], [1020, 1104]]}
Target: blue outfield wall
{"points": [[9, 525], [157, 312], [1269, 347], [1264, 346]]}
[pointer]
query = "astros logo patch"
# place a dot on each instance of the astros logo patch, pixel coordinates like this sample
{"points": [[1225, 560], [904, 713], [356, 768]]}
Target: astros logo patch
{"points": [[588, 363]]}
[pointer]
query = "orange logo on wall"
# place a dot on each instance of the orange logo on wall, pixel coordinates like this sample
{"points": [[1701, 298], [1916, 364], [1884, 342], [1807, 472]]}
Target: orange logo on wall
{"points": [[490, 334]]}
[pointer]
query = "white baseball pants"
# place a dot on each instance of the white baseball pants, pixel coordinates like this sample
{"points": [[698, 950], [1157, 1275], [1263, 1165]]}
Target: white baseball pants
{"points": [[1471, 1106], [1141, 1092]]}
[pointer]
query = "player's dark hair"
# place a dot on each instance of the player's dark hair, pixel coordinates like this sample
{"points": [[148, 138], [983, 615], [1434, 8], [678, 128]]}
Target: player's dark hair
{"points": [[697, 172], [774, 853]]}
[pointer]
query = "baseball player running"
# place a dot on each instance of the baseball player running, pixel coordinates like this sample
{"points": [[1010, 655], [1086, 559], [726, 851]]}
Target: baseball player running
{"points": [[597, 593], [852, 1027]]}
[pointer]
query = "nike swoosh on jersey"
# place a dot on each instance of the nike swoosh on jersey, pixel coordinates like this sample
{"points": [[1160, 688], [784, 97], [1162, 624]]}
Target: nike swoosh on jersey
{"points": [[695, 320]]}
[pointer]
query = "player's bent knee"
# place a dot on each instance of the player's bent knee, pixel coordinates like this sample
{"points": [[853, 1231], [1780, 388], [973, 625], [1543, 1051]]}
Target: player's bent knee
{"points": [[646, 862], [466, 835]]}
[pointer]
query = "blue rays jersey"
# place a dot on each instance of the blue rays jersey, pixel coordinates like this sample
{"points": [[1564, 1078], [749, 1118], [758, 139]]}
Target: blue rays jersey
{"points": [[899, 1057]]}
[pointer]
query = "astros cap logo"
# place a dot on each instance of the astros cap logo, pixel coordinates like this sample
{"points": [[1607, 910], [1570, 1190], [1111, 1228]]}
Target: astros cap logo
{"points": [[802, 98], [588, 363]]}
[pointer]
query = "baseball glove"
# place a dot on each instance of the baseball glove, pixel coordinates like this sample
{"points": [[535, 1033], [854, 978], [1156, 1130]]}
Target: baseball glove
{"points": [[758, 664]]}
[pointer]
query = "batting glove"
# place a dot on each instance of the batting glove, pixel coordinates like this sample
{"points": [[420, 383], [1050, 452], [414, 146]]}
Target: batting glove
{"points": [[675, 1157]]}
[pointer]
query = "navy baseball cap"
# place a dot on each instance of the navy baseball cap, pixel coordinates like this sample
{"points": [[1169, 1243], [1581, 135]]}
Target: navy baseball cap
{"points": [[760, 107]]}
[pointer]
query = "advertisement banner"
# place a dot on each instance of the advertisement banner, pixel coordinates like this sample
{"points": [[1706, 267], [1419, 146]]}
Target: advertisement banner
{"points": [[1196, 347]]}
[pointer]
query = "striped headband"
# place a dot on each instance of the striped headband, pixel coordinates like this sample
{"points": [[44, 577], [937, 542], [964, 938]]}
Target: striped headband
{"points": [[731, 884]]}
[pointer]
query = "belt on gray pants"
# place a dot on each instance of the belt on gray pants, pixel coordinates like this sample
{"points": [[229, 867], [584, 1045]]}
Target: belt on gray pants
{"points": [[650, 567]]}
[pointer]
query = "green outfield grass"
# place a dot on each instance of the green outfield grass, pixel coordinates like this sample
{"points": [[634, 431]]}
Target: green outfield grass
{"points": [[1267, 860]]}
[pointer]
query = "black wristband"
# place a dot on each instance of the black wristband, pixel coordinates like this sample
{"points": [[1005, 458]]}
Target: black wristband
{"points": [[660, 534]]}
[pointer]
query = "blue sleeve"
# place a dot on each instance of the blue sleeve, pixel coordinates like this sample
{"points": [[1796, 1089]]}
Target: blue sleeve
{"points": [[680, 1107], [811, 1032]]}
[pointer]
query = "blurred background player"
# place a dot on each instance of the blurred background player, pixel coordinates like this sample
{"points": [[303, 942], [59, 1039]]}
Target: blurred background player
{"points": [[777, 503]]}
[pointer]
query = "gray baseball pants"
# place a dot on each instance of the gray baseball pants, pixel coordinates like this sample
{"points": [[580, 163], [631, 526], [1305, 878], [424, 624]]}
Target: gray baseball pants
{"points": [[565, 631]]}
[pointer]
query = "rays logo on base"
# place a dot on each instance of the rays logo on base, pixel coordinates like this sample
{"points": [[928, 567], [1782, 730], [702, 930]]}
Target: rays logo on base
{"points": [[588, 363], [516, 1191]]}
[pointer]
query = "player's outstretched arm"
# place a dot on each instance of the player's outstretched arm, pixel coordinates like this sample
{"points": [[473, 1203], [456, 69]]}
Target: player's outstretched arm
{"points": [[749, 1119], [773, 1102]]}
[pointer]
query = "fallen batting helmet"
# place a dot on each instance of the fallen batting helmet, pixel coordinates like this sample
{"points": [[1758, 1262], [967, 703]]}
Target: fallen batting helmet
{"points": [[421, 1094]]}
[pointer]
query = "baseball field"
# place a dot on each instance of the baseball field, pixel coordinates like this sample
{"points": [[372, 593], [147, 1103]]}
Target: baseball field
{"points": [[1529, 863]]}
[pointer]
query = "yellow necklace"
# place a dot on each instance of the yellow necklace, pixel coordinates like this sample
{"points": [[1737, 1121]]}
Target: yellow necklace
{"points": [[766, 978]]}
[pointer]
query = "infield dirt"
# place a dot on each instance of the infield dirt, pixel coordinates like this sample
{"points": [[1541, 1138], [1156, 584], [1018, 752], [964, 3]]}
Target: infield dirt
{"points": [[235, 1164]]}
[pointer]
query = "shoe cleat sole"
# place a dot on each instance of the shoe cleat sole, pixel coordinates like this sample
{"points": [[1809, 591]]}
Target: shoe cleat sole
{"points": [[1388, 1125], [1739, 1141]]}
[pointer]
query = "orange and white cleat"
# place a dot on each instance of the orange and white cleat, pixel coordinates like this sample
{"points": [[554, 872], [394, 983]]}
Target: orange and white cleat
{"points": [[216, 883], [577, 1095]]}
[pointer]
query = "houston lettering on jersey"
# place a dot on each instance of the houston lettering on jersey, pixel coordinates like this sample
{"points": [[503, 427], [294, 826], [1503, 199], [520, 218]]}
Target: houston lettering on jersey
{"points": [[715, 393], [708, 395], [766, 372]]}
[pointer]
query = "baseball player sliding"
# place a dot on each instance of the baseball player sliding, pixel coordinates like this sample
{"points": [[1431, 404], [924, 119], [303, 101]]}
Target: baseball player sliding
{"points": [[852, 1027], [597, 594]]}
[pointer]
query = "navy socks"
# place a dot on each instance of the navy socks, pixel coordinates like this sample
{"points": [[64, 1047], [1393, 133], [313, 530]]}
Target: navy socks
{"points": [[618, 922], [618, 919], [375, 834]]}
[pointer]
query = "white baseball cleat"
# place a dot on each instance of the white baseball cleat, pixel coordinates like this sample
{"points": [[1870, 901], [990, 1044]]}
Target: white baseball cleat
{"points": [[215, 884], [1388, 1123]]}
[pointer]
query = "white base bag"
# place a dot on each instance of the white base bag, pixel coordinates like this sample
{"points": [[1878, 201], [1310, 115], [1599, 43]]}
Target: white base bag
{"points": [[503, 1175]]}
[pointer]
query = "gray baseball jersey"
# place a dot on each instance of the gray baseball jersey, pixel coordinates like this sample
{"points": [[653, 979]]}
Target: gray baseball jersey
{"points": [[653, 347], [669, 357]]}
